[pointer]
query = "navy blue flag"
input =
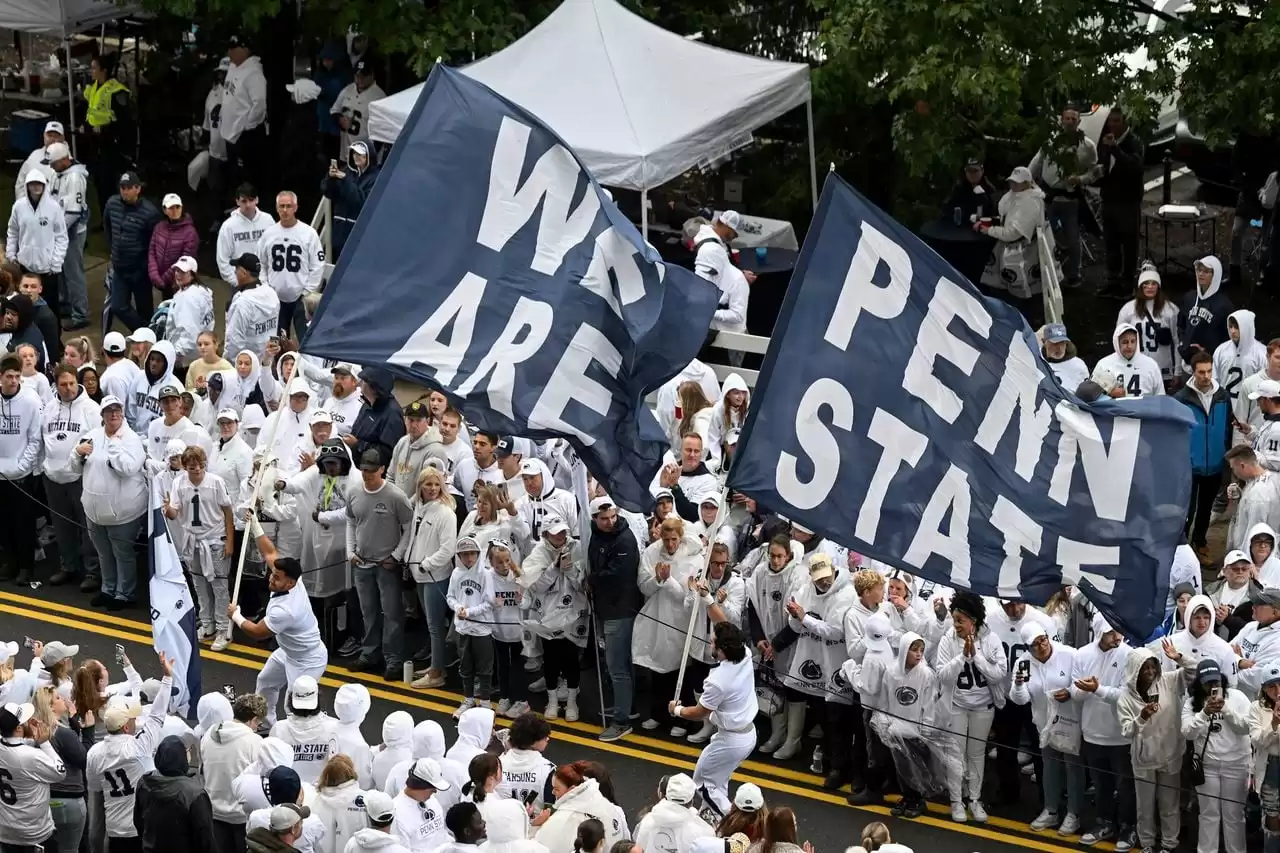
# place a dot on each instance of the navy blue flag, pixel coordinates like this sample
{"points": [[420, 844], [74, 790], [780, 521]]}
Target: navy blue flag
{"points": [[903, 415], [173, 613], [489, 264]]}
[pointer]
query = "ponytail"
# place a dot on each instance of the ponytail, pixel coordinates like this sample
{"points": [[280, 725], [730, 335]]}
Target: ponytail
{"points": [[590, 835]]}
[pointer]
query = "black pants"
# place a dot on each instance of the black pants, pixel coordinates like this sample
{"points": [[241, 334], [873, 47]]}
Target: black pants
{"points": [[662, 689], [513, 684], [872, 761], [1120, 221], [228, 837], [837, 747], [1010, 724], [18, 532], [293, 319], [131, 300], [105, 168], [560, 663], [50, 843], [695, 672], [124, 845], [247, 159], [1204, 488]]}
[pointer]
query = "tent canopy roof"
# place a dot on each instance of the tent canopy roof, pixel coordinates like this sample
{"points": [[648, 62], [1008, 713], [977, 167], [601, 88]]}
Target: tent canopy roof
{"points": [[640, 105], [58, 17]]}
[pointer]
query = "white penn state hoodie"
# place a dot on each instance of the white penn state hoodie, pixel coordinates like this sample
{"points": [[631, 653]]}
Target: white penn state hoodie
{"points": [[1235, 362], [1098, 721], [1138, 376], [240, 234], [19, 434], [64, 424]]}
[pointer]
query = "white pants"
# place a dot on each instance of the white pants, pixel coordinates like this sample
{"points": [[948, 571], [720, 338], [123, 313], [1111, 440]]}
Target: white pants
{"points": [[723, 755], [276, 675], [967, 752], [1226, 784], [1158, 797]]}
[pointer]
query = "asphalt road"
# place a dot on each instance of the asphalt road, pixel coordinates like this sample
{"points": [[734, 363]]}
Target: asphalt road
{"points": [[637, 762]]}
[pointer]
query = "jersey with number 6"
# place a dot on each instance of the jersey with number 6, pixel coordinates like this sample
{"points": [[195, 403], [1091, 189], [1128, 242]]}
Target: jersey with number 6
{"points": [[25, 775], [116, 763], [355, 106], [292, 260]]}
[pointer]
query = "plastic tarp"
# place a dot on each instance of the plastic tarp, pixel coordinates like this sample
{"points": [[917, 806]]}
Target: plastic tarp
{"points": [[60, 17], [638, 104]]}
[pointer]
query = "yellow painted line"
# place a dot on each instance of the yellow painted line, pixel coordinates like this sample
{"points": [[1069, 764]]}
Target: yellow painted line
{"points": [[617, 747]]}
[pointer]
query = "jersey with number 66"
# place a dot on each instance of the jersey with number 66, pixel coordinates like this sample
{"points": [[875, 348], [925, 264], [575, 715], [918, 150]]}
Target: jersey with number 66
{"points": [[355, 106], [292, 260], [25, 775]]}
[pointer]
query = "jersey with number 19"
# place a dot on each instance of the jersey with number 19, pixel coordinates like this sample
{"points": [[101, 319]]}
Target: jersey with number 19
{"points": [[25, 775], [116, 763]]}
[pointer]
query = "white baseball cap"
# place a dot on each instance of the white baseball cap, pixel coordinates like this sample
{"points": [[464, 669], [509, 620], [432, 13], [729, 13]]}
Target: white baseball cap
{"points": [[8, 651], [116, 716], [680, 788], [56, 652], [287, 816], [875, 634], [555, 524], [21, 712], [1231, 558], [57, 151], [427, 772], [186, 263], [1266, 388], [600, 504], [749, 797], [1032, 631], [305, 693], [229, 415], [530, 468], [731, 218], [114, 343], [171, 200], [379, 807], [320, 416], [109, 401], [142, 336], [1020, 175], [54, 127]]}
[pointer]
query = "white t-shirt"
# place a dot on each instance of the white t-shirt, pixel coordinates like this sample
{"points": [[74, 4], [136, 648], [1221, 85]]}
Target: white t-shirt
{"points": [[1233, 597], [290, 618], [344, 412], [730, 692]]}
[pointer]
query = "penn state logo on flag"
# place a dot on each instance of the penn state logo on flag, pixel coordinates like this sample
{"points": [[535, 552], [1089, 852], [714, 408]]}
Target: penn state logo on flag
{"points": [[489, 264], [905, 416], [173, 617]]}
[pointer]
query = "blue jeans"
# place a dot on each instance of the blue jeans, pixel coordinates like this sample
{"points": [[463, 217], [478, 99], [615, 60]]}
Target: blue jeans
{"points": [[431, 596], [116, 556], [1269, 795], [617, 655], [1064, 212], [382, 610], [1062, 771], [69, 817], [76, 301]]}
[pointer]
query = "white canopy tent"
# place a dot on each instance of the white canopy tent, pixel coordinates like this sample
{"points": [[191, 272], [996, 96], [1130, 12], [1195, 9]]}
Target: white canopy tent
{"points": [[62, 18], [640, 105]]}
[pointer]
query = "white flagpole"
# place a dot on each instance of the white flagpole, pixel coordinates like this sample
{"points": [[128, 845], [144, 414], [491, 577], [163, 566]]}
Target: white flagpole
{"points": [[267, 466], [721, 516]]}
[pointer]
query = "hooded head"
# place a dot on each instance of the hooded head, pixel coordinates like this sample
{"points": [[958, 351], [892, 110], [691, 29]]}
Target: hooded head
{"points": [[274, 753], [1127, 353], [298, 387], [1141, 669], [1245, 321], [159, 362], [476, 727], [20, 304], [171, 757], [213, 708], [397, 730], [532, 466], [505, 820], [428, 740], [352, 703], [905, 655], [380, 380], [1198, 608], [1259, 556], [1215, 267]]}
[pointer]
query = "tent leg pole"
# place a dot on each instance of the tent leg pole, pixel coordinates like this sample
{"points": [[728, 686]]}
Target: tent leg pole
{"points": [[71, 96], [813, 161], [644, 214]]}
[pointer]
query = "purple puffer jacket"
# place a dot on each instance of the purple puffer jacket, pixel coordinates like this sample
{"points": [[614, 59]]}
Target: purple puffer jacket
{"points": [[170, 241]]}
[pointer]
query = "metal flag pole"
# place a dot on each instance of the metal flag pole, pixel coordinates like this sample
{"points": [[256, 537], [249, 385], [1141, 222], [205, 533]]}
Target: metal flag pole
{"points": [[582, 491], [268, 465], [721, 516]]}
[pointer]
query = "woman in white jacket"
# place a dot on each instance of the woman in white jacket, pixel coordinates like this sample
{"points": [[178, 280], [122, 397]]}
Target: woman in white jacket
{"points": [[553, 575], [971, 667], [767, 590], [1265, 730], [115, 499], [495, 517], [1156, 318], [728, 414], [1216, 719], [65, 418], [507, 829], [577, 798], [657, 641], [338, 803], [428, 551], [1149, 710]]}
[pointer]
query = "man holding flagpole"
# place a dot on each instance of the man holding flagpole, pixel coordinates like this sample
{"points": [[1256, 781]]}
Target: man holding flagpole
{"points": [[289, 618]]}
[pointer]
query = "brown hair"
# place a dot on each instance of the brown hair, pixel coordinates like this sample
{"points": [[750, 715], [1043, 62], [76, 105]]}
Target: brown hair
{"points": [[10, 275], [194, 454], [337, 770], [62, 368], [84, 688], [481, 768], [779, 828], [488, 492], [1243, 452], [750, 824], [569, 775], [728, 413], [84, 347], [692, 401], [874, 835]]}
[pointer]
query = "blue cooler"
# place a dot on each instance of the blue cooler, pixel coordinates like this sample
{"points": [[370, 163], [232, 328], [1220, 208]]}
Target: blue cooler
{"points": [[26, 130]]}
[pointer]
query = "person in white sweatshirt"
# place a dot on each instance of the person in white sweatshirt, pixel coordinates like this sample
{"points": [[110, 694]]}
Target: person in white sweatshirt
{"points": [[339, 803], [428, 549], [20, 444], [310, 731], [1199, 640], [1237, 358], [1137, 374], [37, 235], [1155, 317], [253, 313], [1098, 682], [241, 232], [1216, 719], [294, 427], [1258, 501], [1042, 679], [470, 598], [173, 425], [1150, 714], [396, 746], [672, 820], [243, 120], [507, 825], [292, 256], [475, 731], [350, 707], [427, 741], [555, 573], [69, 415], [190, 310], [1258, 642], [377, 837], [227, 750], [1264, 729], [510, 610], [144, 395]]}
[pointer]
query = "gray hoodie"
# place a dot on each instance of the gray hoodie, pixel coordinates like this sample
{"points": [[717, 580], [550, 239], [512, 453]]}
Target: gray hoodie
{"points": [[411, 455], [226, 751]]}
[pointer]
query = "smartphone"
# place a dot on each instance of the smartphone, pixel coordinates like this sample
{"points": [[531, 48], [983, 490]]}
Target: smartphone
{"points": [[1024, 668], [29, 642], [121, 657], [1215, 693], [229, 690]]}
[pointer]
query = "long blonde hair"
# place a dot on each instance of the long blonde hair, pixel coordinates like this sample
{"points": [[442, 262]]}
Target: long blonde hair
{"points": [[336, 771], [692, 401], [431, 473], [488, 492], [43, 702]]}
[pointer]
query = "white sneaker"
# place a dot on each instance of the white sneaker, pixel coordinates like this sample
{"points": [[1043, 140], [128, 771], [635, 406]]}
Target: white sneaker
{"points": [[703, 734], [1024, 758], [504, 705], [978, 812], [1046, 820], [516, 710], [467, 705], [650, 725], [1028, 770], [679, 731], [204, 635], [571, 707], [562, 690], [1070, 825], [553, 707], [220, 643], [532, 664], [539, 686], [991, 753], [958, 813]]}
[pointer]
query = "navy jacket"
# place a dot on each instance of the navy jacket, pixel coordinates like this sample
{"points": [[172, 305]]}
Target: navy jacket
{"points": [[349, 194], [614, 561], [128, 230], [1211, 433], [380, 424]]}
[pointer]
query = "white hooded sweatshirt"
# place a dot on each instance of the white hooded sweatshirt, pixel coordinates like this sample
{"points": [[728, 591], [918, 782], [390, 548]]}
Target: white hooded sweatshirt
{"points": [[143, 404], [960, 679], [1158, 743], [1138, 376], [906, 695], [585, 800], [250, 786], [397, 746], [1044, 679], [428, 742], [717, 431], [370, 840], [1259, 503], [240, 234], [820, 649], [244, 101], [37, 236], [1233, 363], [314, 740], [350, 707], [657, 640], [114, 485], [190, 313], [294, 427], [475, 730], [767, 593], [507, 826], [1208, 645], [1230, 741], [668, 828], [253, 316], [340, 810], [552, 502], [1098, 722], [553, 579], [226, 751], [64, 424], [1149, 324]]}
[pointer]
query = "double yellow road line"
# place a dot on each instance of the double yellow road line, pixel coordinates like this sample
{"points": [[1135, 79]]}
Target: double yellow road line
{"points": [[661, 751]]}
